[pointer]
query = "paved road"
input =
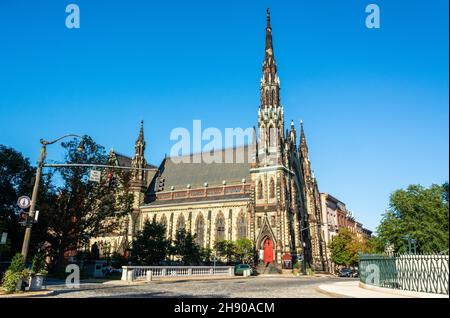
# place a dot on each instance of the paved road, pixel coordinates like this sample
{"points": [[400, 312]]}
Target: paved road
{"points": [[254, 287]]}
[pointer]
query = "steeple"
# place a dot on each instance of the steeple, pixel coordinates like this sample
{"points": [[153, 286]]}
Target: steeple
{"points": [[303, 145], [271, 114], [269, 46], [140, 142], [138, 160], [270, 83]]}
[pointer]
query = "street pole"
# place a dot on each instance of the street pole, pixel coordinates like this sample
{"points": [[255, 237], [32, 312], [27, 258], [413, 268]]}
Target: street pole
{"points": [[26, 239], [29, 224]]}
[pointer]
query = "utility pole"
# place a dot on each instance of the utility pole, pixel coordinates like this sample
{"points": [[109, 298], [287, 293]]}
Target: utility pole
{"points": [[29, 224]]}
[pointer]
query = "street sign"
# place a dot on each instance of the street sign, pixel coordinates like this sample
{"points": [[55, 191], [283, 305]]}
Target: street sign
{"points": [[95, 175], [3, 239], [24, 202]]}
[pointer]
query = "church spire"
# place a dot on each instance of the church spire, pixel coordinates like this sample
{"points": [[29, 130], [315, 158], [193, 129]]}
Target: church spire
{"points": [[138, 160], [271, 114], [270, 84], [303, 143], [269, 45]]}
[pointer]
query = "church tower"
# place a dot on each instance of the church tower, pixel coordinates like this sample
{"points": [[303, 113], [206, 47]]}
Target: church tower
{"points": [[138, 184], [312, 205], [270, 175]]}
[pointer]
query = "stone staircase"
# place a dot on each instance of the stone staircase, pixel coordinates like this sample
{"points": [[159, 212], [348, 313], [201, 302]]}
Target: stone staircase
{"points": [[270, 269]]}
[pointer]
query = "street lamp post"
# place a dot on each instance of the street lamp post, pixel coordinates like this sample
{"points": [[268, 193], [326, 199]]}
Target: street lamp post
{"points": [[27, 236]]}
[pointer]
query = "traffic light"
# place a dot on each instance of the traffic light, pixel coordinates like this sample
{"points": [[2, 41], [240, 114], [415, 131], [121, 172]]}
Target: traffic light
{"points": [[112, 180]]}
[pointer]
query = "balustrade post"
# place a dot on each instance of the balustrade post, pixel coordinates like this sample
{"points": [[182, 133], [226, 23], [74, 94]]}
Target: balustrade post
{"points": [[211, 271], [190, 271], [124, 272], [130, 275], [149, 275], [164, 272]]}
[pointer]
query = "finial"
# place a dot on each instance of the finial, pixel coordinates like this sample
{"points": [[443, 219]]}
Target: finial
{"points": [[268, 17]]}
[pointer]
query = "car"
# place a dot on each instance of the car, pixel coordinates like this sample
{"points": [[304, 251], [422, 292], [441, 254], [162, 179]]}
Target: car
{"points": [[239, 269], [346, 272]]}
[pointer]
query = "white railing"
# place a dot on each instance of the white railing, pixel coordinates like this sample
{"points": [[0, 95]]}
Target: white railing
{"points": [[132, 273]]}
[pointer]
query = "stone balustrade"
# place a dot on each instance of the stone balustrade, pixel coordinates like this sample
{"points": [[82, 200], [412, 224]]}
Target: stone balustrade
{"points": [[132, 273]]}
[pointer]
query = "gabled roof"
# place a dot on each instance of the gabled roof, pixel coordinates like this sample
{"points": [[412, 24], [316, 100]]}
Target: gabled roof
{"points": [[125, 161], [192, 169]]}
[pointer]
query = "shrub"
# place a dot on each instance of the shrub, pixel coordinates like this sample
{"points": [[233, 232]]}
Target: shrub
{"points": [[10, 280], [17, 263], [38, 265]]}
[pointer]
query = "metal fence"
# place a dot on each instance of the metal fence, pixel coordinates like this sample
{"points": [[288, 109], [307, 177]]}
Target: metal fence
{"points": [[160, 272], [413, 272]]}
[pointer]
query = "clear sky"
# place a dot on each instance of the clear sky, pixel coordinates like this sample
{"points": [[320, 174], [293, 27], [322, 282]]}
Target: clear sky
{"points": [[374, 102]]}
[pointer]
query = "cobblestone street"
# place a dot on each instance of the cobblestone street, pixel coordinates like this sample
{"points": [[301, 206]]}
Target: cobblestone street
{"points": [[254, 287]]}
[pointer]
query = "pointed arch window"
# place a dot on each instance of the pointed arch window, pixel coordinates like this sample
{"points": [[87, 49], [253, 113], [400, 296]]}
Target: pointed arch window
{"points": [[181, 223], [200, 230], [242, 226], [163, 221], [220, 227], [272, 189], [260, 190]]}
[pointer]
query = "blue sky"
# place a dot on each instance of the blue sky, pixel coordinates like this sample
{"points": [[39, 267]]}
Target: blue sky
{"points": [[374, 102]]}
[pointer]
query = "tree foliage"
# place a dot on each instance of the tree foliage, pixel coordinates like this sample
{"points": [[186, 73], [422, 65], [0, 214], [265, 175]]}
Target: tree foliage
{"points": [[16, 179], [186, 249], [240, 251], [244, 251], [344, 248], [150, 247], [420, 213], [225, 249]]}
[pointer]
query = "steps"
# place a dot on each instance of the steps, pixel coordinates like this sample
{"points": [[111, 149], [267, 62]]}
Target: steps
{"points": [[270, 269]]}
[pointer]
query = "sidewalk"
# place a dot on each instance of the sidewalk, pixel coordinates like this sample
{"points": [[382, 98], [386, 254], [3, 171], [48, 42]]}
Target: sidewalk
{"points": [[352, 289]]}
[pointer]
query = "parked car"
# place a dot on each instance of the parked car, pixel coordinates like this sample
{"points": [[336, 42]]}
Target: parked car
{"points": [[239, 269], [346, 272]]}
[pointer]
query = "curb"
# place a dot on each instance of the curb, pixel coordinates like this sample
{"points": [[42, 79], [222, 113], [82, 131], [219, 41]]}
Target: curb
{"points": [[331, 294], [29, 294], [399, 292]]}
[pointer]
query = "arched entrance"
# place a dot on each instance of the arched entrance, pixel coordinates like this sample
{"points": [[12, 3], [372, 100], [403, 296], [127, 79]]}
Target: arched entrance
{"points": [[268, 251]]}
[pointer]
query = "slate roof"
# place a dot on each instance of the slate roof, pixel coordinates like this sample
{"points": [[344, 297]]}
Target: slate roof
{"points": [[180, 174], [125, 161]]}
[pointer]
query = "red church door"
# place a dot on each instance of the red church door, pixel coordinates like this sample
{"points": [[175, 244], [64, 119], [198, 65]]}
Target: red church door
{"points": [[268, 251]]}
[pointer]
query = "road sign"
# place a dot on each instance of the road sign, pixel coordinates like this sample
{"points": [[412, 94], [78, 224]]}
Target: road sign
{"points": [[95, 175], [3, 239], [24, 202]]}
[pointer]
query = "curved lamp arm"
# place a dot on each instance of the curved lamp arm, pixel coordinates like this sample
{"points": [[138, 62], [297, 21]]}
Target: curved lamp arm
{"points": [[44, 142]]}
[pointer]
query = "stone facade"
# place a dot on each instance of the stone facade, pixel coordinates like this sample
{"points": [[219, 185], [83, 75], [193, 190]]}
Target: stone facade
{"points": [[336, 216], [272, 198]]}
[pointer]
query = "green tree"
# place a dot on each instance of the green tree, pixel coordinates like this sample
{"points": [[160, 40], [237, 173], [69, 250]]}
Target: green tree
{"points": [[150, 246], [16, 179], [78, 209], [244, 250], [344, 248], [226, 249], [420, 213], [185, 248]]}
